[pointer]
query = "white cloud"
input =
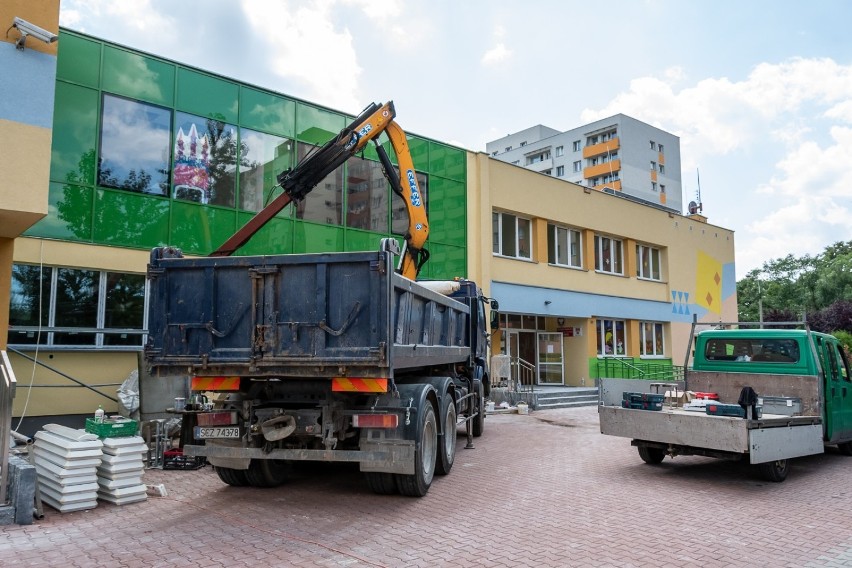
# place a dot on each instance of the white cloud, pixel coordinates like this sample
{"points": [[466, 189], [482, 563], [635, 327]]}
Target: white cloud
{"points": [[774, 128], [304, 46], [499, 52]]}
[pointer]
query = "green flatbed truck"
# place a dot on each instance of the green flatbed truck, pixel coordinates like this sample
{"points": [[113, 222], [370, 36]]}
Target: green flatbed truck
{"points": [[801, 380]]}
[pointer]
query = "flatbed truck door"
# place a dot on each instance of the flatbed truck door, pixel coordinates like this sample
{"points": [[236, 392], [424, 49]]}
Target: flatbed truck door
{"points": [[838, 391]]}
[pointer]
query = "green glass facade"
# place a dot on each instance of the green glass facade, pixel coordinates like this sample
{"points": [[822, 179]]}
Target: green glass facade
{"points": [[130, 130]]}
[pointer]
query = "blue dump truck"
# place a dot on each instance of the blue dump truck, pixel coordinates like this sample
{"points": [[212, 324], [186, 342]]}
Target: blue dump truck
{"points": [[761, 395], [340, 357]]}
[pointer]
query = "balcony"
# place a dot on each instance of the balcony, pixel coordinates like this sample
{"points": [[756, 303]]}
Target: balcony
{"points": [[615, 184], [610, 145], [610, 167], [540, 165]]}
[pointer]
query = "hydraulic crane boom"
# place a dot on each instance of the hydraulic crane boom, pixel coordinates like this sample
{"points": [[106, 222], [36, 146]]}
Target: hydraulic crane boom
{"points": [[297, 182]]}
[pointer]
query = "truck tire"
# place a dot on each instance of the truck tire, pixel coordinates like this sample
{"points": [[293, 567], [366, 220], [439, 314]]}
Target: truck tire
{"points": [[232, 477], [447, 449], [775, 471], [425, 456], [652, 456], [266, 473], [479, 422], [845, 448], [381, 483]]}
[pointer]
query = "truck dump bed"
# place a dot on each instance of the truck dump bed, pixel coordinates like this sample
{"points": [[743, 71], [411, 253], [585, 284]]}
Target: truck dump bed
{"points": [[307, 315]]}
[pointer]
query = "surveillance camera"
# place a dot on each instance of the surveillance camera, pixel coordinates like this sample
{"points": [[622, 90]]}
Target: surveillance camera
{"points": [[28, 29]]}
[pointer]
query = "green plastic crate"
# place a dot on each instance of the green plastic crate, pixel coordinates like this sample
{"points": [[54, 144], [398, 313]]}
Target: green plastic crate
{"points": [[110, 428]]}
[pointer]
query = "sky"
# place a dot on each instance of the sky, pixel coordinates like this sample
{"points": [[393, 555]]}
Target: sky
{"points": [[759, 92]]}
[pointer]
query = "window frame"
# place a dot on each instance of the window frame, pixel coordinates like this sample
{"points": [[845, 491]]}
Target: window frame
{"points": [[655, 265], [615, 255], [499, 245], [601, 329], [53, 337], [657, 351], [553, 240]]}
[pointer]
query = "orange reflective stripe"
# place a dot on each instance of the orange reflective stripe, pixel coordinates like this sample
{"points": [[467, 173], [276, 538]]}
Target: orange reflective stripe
{"points": [[343, 384], [215, 383]]}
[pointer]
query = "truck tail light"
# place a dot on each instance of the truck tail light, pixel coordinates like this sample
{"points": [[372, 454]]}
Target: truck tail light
{"points": [[375, 421], [225, 418]]}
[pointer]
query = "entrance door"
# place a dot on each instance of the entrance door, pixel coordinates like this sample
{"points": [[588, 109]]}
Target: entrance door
{"points": [[520, 346], [549, 365]]}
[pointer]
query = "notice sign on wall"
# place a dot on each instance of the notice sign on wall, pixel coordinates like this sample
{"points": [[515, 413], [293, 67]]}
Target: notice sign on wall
{"points": [[570, 331]]}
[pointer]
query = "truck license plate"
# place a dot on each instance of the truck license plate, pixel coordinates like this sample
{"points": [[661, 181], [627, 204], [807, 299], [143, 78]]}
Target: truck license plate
{"points": [[206, 432]]}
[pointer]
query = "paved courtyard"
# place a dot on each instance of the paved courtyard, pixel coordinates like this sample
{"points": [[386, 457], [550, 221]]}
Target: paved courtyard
{"points": [[539, 490]]}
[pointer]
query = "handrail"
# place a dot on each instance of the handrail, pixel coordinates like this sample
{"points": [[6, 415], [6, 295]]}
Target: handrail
{"points": [[523, 374], [626, 368], [8, 384]]}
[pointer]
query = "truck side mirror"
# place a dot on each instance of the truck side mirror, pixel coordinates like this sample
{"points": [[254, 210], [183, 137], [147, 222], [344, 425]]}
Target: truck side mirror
{"points": [[495, 315]]}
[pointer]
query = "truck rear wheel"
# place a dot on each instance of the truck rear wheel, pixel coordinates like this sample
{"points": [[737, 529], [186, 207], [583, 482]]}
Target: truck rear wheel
{"points": [[417, 485], [479, 422], [775, 471], [233, 477], [845, 448], [652, 456], [447, 450], [266, 473], [381, 483]]}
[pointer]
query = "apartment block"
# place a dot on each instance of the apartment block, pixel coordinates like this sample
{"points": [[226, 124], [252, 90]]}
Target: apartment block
{"points": [[618, 154]]}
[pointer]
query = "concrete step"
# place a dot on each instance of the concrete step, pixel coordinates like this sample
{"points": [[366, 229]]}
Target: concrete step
{"points": [[585, 397]]}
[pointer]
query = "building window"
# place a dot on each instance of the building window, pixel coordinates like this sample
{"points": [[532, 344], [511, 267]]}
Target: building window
{"points": [[559, 151], [647, 262], [652, 339], [653, 186], [523, 144], [511, 235], [508, 148], [367, 195], [516, 163], [662, 188], [662, 169], [83, 308], [263, 157], [494, 153], [578, 166], [560, 171], [653, 166], [611, 341], [653, 145], [205, 160], [576, 145], [608, 255], [564, 246], [660, 148], [134, 146]]}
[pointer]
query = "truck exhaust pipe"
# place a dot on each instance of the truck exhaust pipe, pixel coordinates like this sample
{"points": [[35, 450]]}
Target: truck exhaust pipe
{"points": [[278, 428]]}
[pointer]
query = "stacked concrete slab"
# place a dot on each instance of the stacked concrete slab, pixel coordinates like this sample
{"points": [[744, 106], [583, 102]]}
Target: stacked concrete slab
{"points": [[66, 462], [120, 471]]}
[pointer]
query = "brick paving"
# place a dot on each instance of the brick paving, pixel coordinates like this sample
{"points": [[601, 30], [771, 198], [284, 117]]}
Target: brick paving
{"points": [[541, 490]]}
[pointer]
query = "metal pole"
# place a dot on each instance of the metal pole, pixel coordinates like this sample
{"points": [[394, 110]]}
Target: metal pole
{"points": [[7, 393]]}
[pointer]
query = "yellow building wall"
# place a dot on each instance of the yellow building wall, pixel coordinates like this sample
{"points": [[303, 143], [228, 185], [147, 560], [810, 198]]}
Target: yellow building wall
{"points": [[697, 258]]}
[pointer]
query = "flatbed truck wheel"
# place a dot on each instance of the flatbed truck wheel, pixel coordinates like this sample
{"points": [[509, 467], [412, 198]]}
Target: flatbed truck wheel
{"points": [[447, 449], [845, 448], [651, 455], [417, 485], [775, 471]]}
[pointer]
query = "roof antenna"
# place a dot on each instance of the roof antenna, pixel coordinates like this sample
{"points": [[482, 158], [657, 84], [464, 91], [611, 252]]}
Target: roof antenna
{"points": [[696, 207]]}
